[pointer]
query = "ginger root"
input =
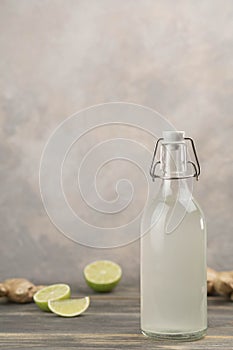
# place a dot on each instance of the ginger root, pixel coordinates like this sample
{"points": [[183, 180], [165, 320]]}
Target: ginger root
{"points": [[220, 283], [211, 276], [18, 290]]}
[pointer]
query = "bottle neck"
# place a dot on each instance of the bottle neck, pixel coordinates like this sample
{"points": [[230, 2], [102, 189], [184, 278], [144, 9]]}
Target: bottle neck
{"points": [[174, 160], [174, 165]]}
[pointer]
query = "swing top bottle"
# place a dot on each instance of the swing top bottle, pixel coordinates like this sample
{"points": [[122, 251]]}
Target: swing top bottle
{"points": [[173, 248]]}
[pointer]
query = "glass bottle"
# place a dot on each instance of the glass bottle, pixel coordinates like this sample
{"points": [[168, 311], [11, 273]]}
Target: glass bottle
{"points": [[173, 249]]}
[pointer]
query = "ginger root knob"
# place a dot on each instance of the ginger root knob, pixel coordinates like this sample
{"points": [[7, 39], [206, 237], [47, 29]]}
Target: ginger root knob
{"points": [[18, 290], [220, 283], [211, 277]]}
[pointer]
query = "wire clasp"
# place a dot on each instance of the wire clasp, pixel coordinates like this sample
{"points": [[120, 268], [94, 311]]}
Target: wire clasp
{"points": [[155, 163]]}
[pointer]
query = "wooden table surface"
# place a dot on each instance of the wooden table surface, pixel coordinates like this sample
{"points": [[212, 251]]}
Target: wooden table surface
{"points": [[111, 322]]}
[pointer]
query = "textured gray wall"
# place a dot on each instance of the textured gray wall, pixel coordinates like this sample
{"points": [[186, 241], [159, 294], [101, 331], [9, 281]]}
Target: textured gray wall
{"points": [[59, 56]]}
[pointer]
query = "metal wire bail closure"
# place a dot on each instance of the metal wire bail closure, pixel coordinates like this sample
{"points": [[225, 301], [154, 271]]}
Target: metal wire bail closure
{"points": [[155, 163]]}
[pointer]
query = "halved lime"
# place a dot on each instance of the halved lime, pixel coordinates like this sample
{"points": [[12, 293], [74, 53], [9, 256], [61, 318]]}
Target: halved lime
{"points": [[69, 307], [53, 292], [102, 275]]}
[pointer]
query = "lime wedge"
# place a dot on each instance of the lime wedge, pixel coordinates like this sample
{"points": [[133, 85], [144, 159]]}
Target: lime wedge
{"points": [[69, 307], [53, 292], [102, 275]]}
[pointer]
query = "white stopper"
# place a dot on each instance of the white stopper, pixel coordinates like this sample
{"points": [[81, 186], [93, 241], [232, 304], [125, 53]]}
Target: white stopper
{"points": [[173, 136]]}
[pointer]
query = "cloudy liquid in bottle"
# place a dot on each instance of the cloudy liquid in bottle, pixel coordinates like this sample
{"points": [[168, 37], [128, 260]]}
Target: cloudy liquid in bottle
{"points": [[173, 265]]}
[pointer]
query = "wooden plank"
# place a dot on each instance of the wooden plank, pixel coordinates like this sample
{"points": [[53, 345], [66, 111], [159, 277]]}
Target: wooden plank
{"points": [[111, 322]]}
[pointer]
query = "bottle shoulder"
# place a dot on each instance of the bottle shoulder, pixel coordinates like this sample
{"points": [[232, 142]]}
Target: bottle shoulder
{"points": [[168, 206], [199, 208], [179, 215], [173, 196]]}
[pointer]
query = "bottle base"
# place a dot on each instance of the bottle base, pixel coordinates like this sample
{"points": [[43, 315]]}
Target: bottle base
{"points": [[189, 336]]}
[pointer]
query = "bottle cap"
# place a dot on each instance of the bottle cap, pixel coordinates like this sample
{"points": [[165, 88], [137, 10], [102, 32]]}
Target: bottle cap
{"points": [[173, 136]]}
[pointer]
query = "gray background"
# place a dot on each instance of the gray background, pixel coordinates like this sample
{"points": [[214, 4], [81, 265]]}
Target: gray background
{"points": [[57, 57]]}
